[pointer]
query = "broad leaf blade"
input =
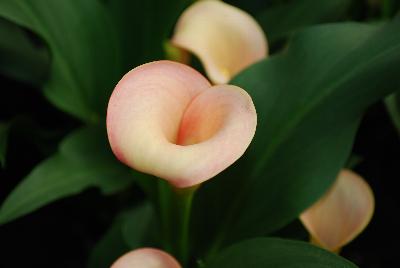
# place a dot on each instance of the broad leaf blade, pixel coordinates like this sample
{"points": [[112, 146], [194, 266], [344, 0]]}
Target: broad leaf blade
{"points": [[277, 253], [300, 148], [282, 20], [309, 102], [84, 49], [84, 161]]}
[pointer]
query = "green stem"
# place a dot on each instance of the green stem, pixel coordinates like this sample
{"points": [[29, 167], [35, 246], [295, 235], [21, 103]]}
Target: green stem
{"points": [[164, 200], [182, 204], [175, 208]]}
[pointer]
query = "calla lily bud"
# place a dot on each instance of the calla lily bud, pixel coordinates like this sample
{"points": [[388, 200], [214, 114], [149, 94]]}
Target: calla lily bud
{"points": [[225, 38], [341, 214], [165, 119], [146, 258]]}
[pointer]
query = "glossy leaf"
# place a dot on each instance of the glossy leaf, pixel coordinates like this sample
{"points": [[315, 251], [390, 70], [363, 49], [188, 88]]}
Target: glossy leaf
{"points": [[282, 20], [3, 142], [20, 57], [84, 50], [277, 253], [84, 160], [309, 102]]}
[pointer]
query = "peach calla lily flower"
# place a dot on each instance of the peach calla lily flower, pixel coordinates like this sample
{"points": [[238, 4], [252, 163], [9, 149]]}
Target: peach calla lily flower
{"points": [[225, 38], [164, 118], [341, 214], [146, 258]]}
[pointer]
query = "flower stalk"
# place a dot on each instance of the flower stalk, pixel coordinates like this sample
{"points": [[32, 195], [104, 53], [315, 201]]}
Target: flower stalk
{"points": [[175, 208]]}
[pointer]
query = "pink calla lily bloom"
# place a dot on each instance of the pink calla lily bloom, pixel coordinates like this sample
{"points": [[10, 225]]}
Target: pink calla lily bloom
{"points": [[342, 213], [146, 258], [165, 119], [224, 38]]}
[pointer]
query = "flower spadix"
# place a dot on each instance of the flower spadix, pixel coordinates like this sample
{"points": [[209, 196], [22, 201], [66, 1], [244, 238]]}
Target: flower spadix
{"points": [[341, 214], [164, 118], [224, 38], [146, 258]]}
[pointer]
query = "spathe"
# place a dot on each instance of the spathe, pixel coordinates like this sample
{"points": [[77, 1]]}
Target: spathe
{"points": [[164, 118], [342, 213], [224, 38], [146, 258]]}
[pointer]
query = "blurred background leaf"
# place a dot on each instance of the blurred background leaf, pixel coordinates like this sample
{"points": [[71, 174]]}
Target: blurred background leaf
{"points": [[3, 142], [20, 56], [282, 20], [17, 127], [86, 43], [393, 106], [83, 161], [130, 230], [110, 247], [85, 55], [308, 114], [144, 26], [277, 253], [139, 226]]}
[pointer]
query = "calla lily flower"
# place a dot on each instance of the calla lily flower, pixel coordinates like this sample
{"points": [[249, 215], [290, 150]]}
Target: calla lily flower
{"points": [[146, 258], [165, 119], [225, 38], [341, 214]]}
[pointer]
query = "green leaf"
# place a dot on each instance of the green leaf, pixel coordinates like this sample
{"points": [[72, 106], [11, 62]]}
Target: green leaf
{"points": [[138, 225], [84, 49], [129, 231], [284, 19], [3, 142], [393, 107], [110, 247], [309, 102], [153, 21], [84, 160], [20, 57], [277, 253]]}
